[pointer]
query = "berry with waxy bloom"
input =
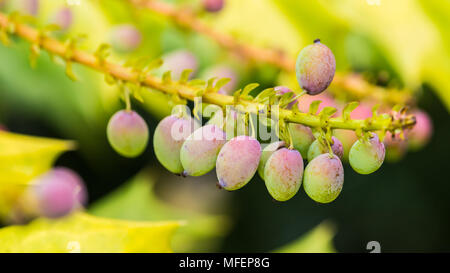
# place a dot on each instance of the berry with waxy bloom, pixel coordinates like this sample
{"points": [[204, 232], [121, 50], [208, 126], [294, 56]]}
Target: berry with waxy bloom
{"points": [[315, 68], [168, 138], [324, 178], [283, 174], [199, 152], [59, 191], [317, 148], [127, 133], [237, 162], [266, 153], [367, 156]]}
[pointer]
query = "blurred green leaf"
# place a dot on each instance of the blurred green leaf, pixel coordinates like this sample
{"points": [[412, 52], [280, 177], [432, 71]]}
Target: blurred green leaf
{"points": [[136, 201], [318, 240]]}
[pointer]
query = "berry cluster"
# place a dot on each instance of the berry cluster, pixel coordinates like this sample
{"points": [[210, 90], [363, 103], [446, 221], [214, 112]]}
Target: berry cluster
{"points": [[185, 148]]}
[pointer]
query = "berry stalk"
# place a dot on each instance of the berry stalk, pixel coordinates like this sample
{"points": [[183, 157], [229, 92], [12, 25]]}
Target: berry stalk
{"points": [[357, 87], [181, 88]]}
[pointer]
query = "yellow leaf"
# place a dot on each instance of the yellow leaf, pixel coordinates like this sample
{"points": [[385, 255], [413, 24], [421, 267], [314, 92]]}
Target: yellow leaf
{"points": [[22, 158], [81, 232]]}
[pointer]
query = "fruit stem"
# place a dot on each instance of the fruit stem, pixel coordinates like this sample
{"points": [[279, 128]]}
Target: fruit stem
{"points": [[357, 87], [185, 90]]}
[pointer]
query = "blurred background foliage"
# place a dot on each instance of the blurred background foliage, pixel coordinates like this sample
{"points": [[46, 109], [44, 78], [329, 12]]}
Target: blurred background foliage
{"points": [[404, 205]]}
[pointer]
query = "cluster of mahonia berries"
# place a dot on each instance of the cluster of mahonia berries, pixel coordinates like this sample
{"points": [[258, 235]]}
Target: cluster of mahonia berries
{"points": [[185, 148]]}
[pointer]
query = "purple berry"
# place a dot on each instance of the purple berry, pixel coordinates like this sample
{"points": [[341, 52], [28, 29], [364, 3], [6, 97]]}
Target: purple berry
{"points": [[237, 162], [324, 178], [127, 133], [199, 152], [283, 174], [60, 191], [213, 5], [315, 68], [125, 38]]}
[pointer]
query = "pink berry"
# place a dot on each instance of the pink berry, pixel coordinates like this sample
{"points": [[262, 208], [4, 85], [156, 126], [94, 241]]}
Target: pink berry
{"points": [[59, 191], [283, 174], [315, 68], [213, 5], [127, 133], [422, 131], [237, 162]]}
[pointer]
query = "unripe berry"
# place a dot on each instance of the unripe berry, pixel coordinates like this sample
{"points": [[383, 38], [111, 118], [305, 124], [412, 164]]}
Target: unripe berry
{"points": [[63, 18], [283, 174], [213, 5], [324, 178], [59, 191], [178, 61], [317, 148], [127, 133], [422, 131], [237, 162], [125, 38], [199, 152], [315, 68], [302, 137], [168, 138], [266, 153], [222, 71], [367, 156]]}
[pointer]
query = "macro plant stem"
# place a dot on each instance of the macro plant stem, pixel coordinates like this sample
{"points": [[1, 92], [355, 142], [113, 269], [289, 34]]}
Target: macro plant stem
{"points": [[355, 86], [184, 90]]}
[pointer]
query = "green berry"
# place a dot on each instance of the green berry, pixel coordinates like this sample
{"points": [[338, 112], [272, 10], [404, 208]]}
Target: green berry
{"points": [[317, 148], [324, 178], [302, 137], [315, 68], [367, 156], [237, 162], [283, 174], [127, 133], [266, 153], [168, 138], [199, 152]]}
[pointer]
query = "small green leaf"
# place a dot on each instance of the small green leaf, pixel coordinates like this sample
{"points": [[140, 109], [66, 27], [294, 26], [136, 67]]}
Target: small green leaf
{"points": [[221, 83], [348, 109], [166, 77], [185, 75], [314, 106], [249, 88]]}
